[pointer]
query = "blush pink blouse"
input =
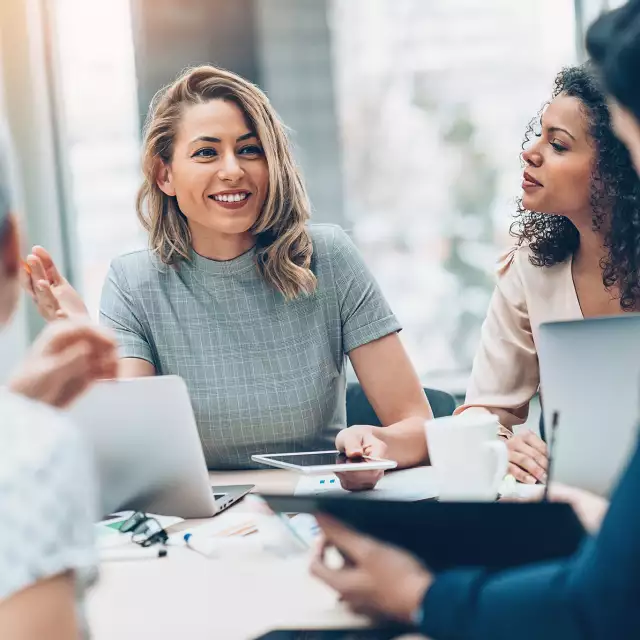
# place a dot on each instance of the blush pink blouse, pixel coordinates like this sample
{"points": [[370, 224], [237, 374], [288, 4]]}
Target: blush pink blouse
{"points": [[505, 373]]}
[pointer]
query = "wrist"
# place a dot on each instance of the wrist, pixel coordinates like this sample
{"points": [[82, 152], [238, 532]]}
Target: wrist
{"points": [[20, 384], [415, 593], [504, 433]]}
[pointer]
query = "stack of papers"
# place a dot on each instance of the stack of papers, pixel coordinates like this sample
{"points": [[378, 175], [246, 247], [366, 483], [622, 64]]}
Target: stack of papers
{"points": [[225, 525]]}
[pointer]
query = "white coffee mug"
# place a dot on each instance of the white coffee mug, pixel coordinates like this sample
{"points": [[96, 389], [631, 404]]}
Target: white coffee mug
{"points": [[469, 460]]}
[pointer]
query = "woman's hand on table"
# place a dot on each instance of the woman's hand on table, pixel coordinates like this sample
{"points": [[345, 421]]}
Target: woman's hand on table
{"points": [[528, 461], [356, 442]]}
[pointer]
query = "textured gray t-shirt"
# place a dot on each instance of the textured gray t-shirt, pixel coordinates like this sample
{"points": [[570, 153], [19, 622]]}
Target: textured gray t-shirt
{"points": [[264, 374]]}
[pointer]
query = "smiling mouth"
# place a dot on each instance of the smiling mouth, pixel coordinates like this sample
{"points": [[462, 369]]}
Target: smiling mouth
{"points": [[231, 201], [230, 197]]}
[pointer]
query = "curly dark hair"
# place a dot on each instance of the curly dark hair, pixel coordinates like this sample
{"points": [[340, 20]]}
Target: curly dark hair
{"points": [[615, 197]]}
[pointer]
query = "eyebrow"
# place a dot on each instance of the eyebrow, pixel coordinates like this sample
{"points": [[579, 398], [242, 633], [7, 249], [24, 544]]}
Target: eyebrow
{"points": [[245, 136], [553, 129]]}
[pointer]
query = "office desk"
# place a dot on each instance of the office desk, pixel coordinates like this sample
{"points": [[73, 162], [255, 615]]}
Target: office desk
{"points": [[189, 596]]}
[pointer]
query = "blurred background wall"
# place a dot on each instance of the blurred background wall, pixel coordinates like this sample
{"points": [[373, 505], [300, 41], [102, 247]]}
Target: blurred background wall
{"points": [[407, 118]]}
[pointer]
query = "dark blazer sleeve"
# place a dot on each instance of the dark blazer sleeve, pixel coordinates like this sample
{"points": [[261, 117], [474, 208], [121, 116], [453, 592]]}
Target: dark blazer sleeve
{"points": [[595, 594]]}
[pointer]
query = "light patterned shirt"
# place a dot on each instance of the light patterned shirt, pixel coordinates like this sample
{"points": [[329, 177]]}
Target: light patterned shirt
{"points": [[264, 374], [47, 499]]}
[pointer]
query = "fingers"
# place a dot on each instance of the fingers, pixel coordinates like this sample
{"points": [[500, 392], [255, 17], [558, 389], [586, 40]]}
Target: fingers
{"points": [[107, 369], [374, 448], [70, 375], [46, 301], [534, 441], [354, 545], [350, 442], [50, 269], [77, 369], [342, 580], [359, 480], [520, 474], [37, 268], [63, 334], [25, 279], [320, 548], [531, 464], [60, 339], [526, 460]]}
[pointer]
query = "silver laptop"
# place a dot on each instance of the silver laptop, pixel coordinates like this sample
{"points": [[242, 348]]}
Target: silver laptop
{"points": [[147, 449], [590, 375]]}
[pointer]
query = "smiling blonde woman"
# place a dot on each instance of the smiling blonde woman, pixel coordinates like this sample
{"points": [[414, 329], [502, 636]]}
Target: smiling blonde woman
{"points": [[254, 307]]}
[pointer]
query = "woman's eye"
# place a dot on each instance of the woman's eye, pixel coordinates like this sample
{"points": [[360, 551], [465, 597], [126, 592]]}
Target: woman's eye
{"points": [[251, 150], [207, 152], [558, 147]]}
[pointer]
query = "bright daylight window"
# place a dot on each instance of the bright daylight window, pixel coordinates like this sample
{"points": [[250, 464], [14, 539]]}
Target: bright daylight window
{"points": [[101, 131], [433, 101]]}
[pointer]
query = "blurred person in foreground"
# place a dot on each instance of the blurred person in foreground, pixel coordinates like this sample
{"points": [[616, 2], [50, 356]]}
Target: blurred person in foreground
{"points": [[592, 594], [47, 498]]}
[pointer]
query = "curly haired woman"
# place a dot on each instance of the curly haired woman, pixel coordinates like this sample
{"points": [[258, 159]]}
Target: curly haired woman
{"points": [[577, 254]]}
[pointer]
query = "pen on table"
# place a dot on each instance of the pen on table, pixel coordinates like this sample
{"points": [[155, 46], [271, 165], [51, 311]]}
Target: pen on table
{"points": [[205, 547], [136, 553]]}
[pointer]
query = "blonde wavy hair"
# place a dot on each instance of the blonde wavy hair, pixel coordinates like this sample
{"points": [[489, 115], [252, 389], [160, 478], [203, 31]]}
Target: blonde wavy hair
{"points": [[283, 243]]}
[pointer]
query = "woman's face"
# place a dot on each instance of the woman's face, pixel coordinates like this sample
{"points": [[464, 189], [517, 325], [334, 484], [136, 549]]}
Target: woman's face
{"points": [[559, 163], [627, 128], [218, 172]]}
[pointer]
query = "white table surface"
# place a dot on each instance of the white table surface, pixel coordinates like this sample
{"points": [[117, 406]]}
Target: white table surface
{"points": [[187, 595]]}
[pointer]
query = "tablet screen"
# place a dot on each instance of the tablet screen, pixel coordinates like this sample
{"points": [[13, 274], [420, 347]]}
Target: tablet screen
{"points": [[317, 459]]}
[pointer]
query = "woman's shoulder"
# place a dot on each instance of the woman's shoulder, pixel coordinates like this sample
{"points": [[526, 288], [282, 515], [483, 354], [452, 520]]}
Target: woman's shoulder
{"points": [[330, 241], [513, 261], [325, 235], [520, 276], [520, 262], [139, 268]]}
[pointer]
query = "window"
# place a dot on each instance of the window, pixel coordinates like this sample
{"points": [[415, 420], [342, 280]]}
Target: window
{"points": [[432, 98], [101, 134], [433, 101]]}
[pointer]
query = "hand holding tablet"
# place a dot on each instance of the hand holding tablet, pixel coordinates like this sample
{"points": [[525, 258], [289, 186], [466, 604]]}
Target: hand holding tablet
{"points": [[310, 462]]}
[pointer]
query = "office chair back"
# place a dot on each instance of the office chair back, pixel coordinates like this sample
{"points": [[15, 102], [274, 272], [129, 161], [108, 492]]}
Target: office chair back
{"points": [[360, 411]]}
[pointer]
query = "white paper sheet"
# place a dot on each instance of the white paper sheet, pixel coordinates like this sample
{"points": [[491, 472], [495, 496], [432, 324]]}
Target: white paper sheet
{"points": [[407, 484]]}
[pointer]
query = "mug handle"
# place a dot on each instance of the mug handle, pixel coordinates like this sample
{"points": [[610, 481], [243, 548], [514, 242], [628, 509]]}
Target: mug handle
{"points": [[502, 462]]}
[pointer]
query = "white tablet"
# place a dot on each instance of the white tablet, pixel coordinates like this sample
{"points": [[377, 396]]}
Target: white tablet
{"points": [[322, 461]]}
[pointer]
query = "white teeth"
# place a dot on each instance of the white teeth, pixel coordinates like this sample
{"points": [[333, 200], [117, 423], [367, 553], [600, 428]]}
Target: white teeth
{"points": [[233, 197]]}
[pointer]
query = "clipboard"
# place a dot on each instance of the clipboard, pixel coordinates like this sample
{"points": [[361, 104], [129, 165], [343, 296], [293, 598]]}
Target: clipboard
{"points": [[445, 535]]}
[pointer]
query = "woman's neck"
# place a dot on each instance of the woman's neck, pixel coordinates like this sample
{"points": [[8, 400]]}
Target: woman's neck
{"points": [[591, 250], [220, 246]]}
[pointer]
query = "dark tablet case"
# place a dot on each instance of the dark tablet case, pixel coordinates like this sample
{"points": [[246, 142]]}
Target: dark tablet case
{"points": [[495, 535]]}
